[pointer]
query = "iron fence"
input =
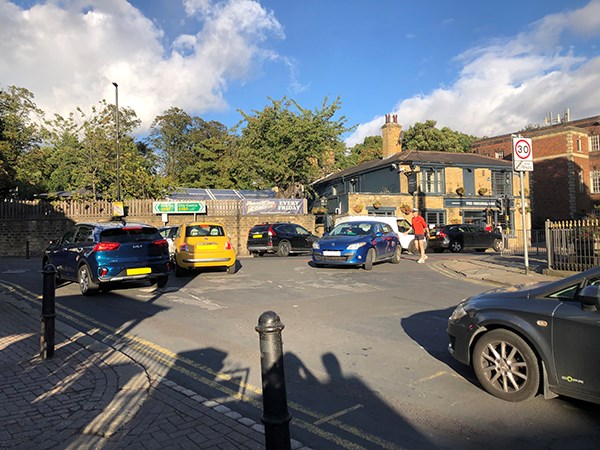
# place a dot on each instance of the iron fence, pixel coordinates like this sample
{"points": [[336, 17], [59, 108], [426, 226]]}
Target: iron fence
{"points": [[573, 245]]}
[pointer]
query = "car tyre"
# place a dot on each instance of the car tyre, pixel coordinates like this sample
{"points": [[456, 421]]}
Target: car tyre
{"points": [[506, 366], [455, 246], [162, 282], [412, 247], [397, 255], [498, 245], [284, 248], [370, 259], [87, 286], [232, 269]]}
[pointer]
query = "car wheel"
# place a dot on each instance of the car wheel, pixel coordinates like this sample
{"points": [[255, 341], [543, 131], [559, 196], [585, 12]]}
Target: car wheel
{"points": [[284, 248], [498, 245], [162, 282], [397, 255], [179, 272], [506, 366], [231, 269], [370, 259], [455, 246], [412, 247], [86, 283]]}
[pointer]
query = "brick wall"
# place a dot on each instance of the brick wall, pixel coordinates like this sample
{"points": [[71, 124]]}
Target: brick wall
{"points": [[29, 237]]}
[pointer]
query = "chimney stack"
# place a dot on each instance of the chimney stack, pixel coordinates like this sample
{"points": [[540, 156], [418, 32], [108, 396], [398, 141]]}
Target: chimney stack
{"points": [[390, 133]]}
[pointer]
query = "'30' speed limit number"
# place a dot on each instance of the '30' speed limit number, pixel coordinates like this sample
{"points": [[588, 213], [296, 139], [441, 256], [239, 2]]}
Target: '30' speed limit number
{"points": [[522, 155]]}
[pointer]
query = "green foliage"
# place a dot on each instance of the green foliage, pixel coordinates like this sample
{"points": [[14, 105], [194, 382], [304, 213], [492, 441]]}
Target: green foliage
{"points": [[371, 148], [426, 137], [19, 134], [289, 148]]}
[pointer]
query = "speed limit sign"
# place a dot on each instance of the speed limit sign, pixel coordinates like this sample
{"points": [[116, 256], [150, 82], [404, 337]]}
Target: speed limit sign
{"points": [[522, 155]]}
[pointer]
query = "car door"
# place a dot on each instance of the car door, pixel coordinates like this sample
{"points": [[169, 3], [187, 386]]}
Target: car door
{"points": [[381, 240], [303, 238], [481, 238], [82, 246], [59, 253], [389, 236], [466, 232], [575, 337]]}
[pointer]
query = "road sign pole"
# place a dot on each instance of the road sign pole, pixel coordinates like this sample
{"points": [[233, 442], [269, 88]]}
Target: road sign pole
{"points": [[523, 218]]}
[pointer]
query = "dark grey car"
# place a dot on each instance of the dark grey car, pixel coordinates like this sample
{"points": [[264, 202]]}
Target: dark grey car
{"points": [[463, 236], [540, 338]]}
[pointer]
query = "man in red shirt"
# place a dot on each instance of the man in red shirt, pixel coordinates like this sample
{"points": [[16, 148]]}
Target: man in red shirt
{"points": [[420, 229]]}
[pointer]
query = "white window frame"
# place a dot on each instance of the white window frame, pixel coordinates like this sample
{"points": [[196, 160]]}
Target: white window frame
{"points": [[595, 143], [595, 181]]}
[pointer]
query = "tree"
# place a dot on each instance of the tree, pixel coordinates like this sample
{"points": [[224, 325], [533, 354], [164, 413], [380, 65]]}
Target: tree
{"points": [[426, 137], [289, 149], [192, 152], [371, 148], [19, 134]]}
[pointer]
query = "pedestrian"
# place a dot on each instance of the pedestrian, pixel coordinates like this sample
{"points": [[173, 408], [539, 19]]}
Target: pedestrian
{"points": [[421, 230]]}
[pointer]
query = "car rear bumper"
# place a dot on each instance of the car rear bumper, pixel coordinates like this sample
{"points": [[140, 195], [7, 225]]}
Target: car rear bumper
{"points": [[260, 248]]}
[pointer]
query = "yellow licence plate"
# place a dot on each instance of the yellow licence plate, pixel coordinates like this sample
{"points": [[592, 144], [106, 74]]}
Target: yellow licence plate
{"points": [[139, 271], [206, 247], [257, 236]]}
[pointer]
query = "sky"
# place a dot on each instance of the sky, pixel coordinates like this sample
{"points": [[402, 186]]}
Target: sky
{"points": [[479, 67]]}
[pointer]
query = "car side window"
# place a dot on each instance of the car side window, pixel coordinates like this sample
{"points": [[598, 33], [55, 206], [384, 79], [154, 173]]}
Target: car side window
{"points": [[302, 231], [387, 228], [570, 292], [68, 237], [84, 234]]}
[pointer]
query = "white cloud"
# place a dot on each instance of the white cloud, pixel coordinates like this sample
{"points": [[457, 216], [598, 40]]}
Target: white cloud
{"points": [[509, 84], [78, 48]]}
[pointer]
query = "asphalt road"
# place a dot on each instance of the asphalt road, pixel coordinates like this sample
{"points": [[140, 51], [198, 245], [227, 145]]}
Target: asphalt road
{"points": [[366, 363]]}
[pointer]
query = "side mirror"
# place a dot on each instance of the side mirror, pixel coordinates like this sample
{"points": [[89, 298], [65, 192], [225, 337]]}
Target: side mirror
{"points": [[590, 298]]}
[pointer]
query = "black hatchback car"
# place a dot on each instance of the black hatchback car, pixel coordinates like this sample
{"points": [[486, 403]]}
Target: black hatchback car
{"points": [[281, 238], [96, 255], [463, 236], [541, 338]]}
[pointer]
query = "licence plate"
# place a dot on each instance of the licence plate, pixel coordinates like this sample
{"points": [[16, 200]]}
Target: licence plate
{"points": [[256, 236], [139, 271], [206, 246], [332, 253]]}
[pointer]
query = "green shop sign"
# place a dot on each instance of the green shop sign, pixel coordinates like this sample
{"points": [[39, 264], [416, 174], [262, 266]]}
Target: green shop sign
{"points": [[179, 207]]}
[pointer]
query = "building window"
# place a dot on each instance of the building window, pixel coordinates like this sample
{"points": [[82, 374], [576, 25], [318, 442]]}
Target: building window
{"points": [[435, 217], [432, 181], [499, 154], [595, 143], [501, 183], [595, 181]]}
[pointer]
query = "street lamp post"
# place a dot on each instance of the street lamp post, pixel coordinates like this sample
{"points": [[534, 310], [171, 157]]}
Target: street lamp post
{"points": [[117, 139]]}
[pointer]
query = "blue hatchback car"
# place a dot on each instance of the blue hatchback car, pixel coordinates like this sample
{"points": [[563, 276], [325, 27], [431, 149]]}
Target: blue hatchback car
{"points": [[357, 243], [95, 255]]}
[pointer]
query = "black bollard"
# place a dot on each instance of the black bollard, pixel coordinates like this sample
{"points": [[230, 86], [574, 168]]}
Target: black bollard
{"points": [[276, 418], [48, 312]]}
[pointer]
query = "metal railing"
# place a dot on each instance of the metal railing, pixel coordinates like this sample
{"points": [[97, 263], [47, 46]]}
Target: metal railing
{"points": [[573, 245]]}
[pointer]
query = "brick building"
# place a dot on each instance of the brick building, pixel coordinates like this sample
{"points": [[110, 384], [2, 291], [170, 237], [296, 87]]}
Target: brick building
{"points": [[565, 182]]}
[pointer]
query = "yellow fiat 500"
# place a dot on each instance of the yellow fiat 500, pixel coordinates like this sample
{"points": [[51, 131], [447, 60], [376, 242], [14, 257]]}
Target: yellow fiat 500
{"points": [[201, 244]]}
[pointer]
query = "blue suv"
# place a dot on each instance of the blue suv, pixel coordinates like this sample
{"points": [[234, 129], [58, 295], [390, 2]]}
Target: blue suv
{"points": [[95, 255]]}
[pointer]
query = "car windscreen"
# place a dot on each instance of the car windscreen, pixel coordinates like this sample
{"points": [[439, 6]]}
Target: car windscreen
{"points": [[352, 229], [133, 234], [204, 230]]}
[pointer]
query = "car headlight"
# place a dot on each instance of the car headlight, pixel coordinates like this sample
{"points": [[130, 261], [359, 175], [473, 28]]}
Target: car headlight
{"points": [[458, 313], [316, 245], [355, 246]]}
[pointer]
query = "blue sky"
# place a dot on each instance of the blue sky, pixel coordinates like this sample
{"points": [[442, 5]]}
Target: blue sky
{"points": [[483, 68]]}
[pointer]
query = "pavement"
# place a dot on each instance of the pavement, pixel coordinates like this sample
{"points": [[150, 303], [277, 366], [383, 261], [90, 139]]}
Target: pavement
{"points": [[92, 396]]}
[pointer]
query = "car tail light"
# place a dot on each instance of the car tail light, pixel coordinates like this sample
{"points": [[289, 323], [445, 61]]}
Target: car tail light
{"points": [[102, 271], [271, 231], [183, 247], [161, 243], [106, 246], [227, 245], [442, 234]]}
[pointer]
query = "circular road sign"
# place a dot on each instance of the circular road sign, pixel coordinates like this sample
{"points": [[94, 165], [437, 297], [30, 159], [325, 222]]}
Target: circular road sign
{"points": [[523, 149]]}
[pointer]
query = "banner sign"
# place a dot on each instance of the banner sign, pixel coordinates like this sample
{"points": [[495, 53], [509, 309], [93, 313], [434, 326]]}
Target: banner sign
{"points": [[179, 207], [273, 206], [469, 203]]}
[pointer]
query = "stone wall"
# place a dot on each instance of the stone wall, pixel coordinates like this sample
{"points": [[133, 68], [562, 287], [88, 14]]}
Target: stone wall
{"points": [[29, 237]]}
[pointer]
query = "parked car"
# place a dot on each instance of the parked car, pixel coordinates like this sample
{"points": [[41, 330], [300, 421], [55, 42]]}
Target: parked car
{"points": [[538, 338], [97, 255], [281, 238], [357, 243], [169, 234], [203, 244], [463, 236], [399, 224]]}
